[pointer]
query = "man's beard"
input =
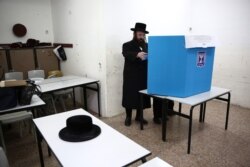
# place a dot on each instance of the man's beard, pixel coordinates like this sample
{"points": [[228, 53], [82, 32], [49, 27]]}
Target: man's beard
{"points": [[140, 41]]}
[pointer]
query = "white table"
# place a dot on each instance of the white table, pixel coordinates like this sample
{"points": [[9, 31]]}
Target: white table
{"points": [[193, 101], [66, 82], [109, 149], [156, 162], [35, 102]]}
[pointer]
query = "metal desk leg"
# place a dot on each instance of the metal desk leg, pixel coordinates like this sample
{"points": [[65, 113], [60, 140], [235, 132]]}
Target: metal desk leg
{"points": [[39, 141], [143, 160], [33, 113], [2, 143], [164, 118], [74, 98], [204, 111], [141, 111], [228, 108], [98, 98], [190, 129], [201, 112], [180, 107], [49, 151], [85, 98]]}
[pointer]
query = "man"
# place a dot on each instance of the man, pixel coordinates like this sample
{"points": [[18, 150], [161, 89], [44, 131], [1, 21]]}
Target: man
{"points": [[135, 75]]}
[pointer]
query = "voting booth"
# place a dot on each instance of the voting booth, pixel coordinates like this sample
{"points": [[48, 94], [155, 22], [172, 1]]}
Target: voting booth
{"points": [[180, 66]]}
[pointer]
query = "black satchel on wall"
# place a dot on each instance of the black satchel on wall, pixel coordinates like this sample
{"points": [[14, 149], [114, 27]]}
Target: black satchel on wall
{"points": [[32, 42], [60, 53], [25, 93]]}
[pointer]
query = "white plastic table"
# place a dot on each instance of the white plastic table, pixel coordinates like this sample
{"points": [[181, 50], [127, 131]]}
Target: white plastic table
{"points": [[109, 149], [66, 82], [192, 101], [35, 102], [155, 162]]}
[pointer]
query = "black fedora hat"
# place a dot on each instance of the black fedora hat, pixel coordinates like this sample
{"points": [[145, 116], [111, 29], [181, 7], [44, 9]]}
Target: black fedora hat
{"points": [[79, 128], [140, 27]]}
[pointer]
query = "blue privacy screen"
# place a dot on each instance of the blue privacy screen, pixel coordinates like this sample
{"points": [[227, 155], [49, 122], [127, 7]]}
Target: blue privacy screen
{"points": [[176, 71]]}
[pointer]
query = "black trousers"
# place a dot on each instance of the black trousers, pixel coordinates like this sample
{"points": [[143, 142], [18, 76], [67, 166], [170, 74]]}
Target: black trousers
{"points": [[129, 113], [157, 109]]}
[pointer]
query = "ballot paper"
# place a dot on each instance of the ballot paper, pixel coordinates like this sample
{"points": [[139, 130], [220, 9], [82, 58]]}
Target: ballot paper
{"points": [[199, 41]]}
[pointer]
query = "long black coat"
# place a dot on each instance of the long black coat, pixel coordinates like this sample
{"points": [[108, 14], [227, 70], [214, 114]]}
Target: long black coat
{"points": [[134, 75]]}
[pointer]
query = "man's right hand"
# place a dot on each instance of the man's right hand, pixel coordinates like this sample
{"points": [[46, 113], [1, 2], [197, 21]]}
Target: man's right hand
{"points": [[142, 55]]}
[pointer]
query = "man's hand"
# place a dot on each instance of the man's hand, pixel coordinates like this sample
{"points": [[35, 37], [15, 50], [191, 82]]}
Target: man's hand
{"points": [[142, 55]]}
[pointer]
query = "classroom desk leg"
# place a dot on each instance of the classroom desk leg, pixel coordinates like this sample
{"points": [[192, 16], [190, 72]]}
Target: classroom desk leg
{"points": [[85, 98], [180, 107], [190, 129], [141, 111], [228, 108], [143, 160], [204, 111], [49, 151], [164, 119], [34, 113], [2, 143], [98, 98], [97, 89], [201, 112], [74, 98], [39, 141]]}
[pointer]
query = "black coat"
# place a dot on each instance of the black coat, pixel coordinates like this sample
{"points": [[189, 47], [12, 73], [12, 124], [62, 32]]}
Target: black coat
{"points": [[134, 75]]}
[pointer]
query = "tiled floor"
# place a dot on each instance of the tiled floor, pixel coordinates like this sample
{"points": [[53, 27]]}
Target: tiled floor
{"points": [[211, 144]]}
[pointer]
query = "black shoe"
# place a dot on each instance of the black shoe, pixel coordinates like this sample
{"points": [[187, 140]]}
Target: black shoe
{"points": [[145, 122], [127, 121], [157, 120]]}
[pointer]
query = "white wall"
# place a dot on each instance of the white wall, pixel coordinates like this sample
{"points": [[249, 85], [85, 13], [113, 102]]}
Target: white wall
{"points": [[34, 14], [228, 20], [80, 22]]}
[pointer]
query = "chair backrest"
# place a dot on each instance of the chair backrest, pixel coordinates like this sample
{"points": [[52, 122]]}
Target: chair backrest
{"points": [[36, 74], [3, 159], [13, 75]]}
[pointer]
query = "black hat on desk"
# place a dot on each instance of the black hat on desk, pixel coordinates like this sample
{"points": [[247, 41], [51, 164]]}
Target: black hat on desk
{"points": [[79, 128], [140, 27]]}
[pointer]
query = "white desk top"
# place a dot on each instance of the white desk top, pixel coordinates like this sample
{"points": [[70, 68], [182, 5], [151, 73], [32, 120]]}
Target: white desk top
{"points": [[196, 99], [109, 149], [35, 102], [156, 162], [53, 84]]}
